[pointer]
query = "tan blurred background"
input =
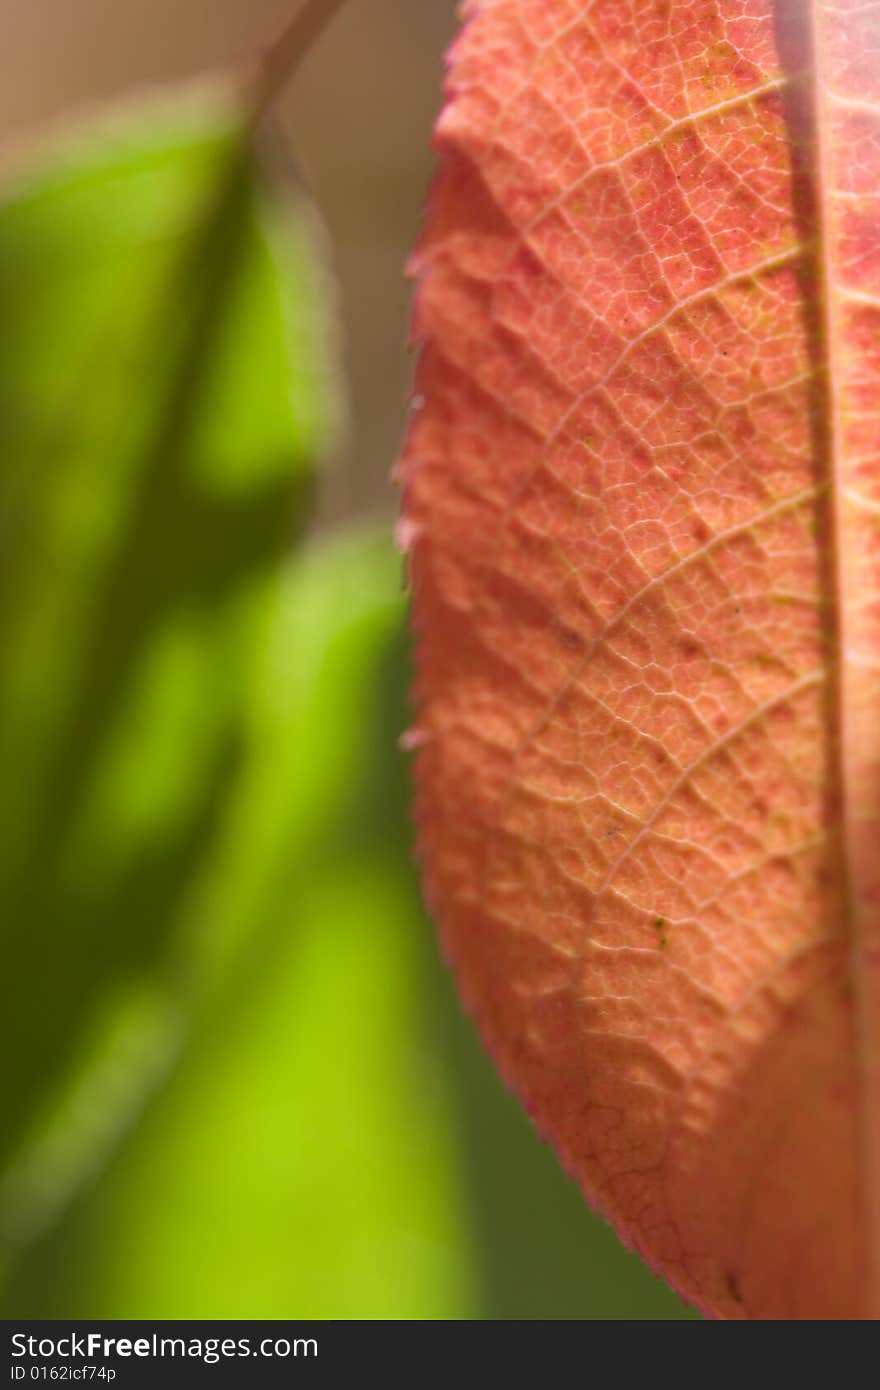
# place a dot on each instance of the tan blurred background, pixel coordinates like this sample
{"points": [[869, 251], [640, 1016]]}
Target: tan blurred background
{"points": [[358, 116]]}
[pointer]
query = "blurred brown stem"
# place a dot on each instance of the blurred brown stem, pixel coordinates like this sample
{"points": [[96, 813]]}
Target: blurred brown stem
{"points": [[283, 55]]}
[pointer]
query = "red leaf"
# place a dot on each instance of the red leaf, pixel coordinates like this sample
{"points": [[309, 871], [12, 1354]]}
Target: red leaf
{"points": [[643, 508]]}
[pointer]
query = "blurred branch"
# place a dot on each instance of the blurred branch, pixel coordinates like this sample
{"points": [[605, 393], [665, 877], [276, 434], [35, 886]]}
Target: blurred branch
{"points": [[283, 55]]}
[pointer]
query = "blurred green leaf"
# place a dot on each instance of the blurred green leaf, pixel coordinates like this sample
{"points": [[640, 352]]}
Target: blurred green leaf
{"points": [[163, 394], [302, 1160], [335, 1143]]}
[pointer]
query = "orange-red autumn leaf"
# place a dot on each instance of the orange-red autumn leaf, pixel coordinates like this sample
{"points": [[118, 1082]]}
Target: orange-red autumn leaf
{"points": [[642, 500]]}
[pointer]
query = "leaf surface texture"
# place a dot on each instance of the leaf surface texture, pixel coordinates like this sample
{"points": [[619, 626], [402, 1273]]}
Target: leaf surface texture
{"points": [[642, 498]]}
